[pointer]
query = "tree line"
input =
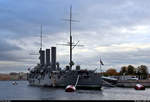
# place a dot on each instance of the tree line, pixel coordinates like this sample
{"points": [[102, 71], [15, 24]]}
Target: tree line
{"points": [[141, 71]]}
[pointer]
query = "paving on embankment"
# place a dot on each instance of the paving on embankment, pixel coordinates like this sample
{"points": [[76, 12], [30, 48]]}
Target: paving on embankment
{"points": [[132, 83]]}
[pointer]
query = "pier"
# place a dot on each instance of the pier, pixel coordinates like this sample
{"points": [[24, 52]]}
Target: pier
{"points": [[132, 83]]}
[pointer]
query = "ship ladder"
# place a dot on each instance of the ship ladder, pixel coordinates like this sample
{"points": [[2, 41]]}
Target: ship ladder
{"points": [[53, 80], [77, 80], [109, 84]]}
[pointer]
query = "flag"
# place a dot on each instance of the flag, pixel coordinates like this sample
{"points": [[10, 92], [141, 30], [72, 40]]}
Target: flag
{"points": [[101, 62]]}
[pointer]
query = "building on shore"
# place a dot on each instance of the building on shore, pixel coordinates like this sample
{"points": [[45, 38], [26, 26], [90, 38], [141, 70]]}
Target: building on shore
{"points": [[13, 76]]}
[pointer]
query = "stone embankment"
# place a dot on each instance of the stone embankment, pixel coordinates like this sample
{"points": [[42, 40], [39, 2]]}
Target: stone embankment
{"points": [[132, 83]]}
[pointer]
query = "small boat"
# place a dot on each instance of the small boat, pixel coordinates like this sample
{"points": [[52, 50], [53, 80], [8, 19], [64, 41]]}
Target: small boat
{"points": [[14, 83], [139, 87], [70, 88]]}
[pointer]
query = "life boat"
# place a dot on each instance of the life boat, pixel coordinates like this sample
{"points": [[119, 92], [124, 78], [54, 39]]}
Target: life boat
{"points": [[70, 88], [139, 87]]}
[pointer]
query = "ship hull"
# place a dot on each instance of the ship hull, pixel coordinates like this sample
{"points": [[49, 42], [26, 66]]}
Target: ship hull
{"points": [[87, 80]]}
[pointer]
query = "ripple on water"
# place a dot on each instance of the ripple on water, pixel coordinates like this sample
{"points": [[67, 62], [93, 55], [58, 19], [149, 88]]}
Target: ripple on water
{"points": [[23, 91]]}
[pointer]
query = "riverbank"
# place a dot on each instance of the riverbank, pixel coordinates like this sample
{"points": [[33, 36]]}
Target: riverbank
{"points": [[13, 76], [132, 83]]}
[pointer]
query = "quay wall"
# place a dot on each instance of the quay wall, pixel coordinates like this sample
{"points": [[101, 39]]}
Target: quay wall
{"points": [[132, 83]]}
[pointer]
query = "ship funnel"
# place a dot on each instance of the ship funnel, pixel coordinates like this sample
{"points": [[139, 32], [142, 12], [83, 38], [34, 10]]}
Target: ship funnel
{"points": [[42, 57], [53, 58], [47, 56]]}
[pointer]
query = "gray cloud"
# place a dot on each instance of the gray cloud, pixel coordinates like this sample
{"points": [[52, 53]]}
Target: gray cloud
{"points": [[102, 23], [5, 46]]}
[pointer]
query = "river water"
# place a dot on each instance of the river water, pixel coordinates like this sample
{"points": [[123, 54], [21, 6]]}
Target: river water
{"points": [[22, 91]]}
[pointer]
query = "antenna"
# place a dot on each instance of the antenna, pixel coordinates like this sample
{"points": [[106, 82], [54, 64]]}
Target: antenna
{"points": [[41, 37], [70, 43]]}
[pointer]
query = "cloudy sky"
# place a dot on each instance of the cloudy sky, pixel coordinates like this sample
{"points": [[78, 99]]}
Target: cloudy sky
{"points": [[118, 31]]}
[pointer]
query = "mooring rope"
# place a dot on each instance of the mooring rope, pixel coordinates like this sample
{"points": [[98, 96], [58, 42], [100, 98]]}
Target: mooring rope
{"points": [[77, 80]]}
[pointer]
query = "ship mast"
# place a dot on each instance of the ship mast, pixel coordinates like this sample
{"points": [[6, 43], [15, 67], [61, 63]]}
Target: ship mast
{"points": [[71, 62], [70, 42]]}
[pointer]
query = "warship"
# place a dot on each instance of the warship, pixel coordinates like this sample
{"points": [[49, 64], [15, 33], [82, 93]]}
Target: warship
{"points": [[48, 73]]}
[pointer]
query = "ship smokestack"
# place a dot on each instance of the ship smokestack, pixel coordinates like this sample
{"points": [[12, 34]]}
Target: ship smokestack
{"points": [[53, 58], [47, 56], [42, 57]]}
